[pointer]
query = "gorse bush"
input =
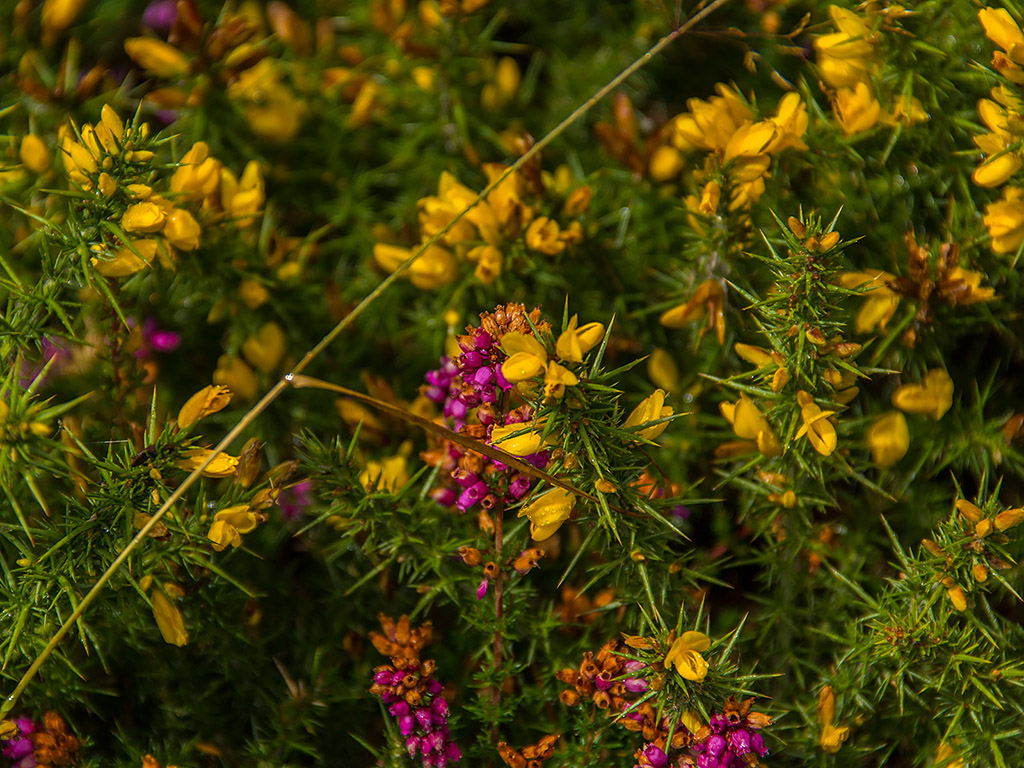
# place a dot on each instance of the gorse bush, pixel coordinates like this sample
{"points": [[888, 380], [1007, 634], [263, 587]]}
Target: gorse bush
{"points": [[511, 383]]}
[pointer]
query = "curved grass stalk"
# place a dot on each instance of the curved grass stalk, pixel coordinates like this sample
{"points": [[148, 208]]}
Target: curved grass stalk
{"points": [[274, 392]]}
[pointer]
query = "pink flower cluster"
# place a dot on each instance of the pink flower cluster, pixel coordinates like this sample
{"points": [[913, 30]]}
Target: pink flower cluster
{"points": [[424, 726]]}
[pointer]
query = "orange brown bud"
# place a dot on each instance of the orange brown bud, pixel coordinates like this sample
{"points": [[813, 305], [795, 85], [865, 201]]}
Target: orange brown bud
{"points": [[470, 556], [569, 698]]}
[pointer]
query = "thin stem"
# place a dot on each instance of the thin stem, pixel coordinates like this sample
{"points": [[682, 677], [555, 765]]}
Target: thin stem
{"points": [[281, 385], [499, 607]]}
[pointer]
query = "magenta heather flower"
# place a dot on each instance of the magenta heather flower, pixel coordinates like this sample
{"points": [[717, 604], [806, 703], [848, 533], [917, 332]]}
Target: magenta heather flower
{"points": [[20, 748], [472, 385], [734, 737], [293, 500]]}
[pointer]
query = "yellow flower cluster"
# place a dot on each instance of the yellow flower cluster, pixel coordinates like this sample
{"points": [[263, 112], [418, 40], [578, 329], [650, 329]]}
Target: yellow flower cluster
{"points": [[528, 358], [738, 145], [484, 234], [751, 425], [1003, 115], [848, 62]]}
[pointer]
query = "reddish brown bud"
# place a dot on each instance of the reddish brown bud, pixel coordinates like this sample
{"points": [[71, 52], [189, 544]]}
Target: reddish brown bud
{"points": [[470, 556]]}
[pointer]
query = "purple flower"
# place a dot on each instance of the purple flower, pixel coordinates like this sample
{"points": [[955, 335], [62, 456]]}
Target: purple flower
{"points": [[635, 684], [160, 15], [481, 590], [406, 724], [424, 719], [294, 499], [654, 755], [757, 744], [412, 743], [739, 742]]}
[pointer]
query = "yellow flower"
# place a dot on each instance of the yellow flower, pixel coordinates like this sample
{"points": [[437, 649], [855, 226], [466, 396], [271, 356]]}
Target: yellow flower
{"points": [[242, 198], [181, 229], [437, 267], [229, 524], [791, 124], [502, 90], [542, 236], [710, 197], [1005, 221], [908, 110], [880, 301], [845, 57], [125, 261], [574, 343], [168, 619], [156, 57], [748, 423], [489, 261], [207, 400], [709, 297], [1002, 30], [947, 758], [222, 465], [527, 357], [889, 439], [79, 164], [265, 348], [819, 430], [762, 358], [388, 475], [662, 370], [710, 124], [234, 374], [750, 140], [198, 175], [652, 408], [856, 109], [999, 167], [932, 397], [58, 15], [547, 513], [685, 656], [34, 154], [666, 162], [832, 738], [143, 217], [557, 378], [525, 444]]}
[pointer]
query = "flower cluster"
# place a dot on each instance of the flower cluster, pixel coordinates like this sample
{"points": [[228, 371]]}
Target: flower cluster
{"points": [[412, 693], [38, 745], [1001, 146], [733, 738], [739, 147], [966, 547], [510, 218], [848, 61], [532, 756]]}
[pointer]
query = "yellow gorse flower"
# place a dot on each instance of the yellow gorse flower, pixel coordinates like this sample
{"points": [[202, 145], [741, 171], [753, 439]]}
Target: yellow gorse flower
{"points": [[206, 401], [557, 378], [389, 475], [527, 357], [229, 524], [856, 109], [156, 57], [880, 301], [650, 409], [1002, 30], [816, 425], [547, 512], [1005, 221], [846, 57], [832, 738], [265, 348], [126, 260], [168, 617], [222, 465], [685, 656], [748, 423], [528, 442], [932, 397], [888, 439], [34, 155], [574, 342]]}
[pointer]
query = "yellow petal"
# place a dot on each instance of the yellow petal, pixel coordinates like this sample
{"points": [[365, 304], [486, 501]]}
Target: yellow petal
{"points": [[169, 619], [208, 400], [888, 439]]}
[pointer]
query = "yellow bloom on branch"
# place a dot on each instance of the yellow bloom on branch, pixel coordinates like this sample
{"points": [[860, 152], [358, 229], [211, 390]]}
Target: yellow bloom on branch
{"points": [[710, 298], [748, 423], [846, 57], [527, 357], [388, 475], [832, 738], [547, 513], [856, 109], [816, 425], [880, 301], [156, 57], [888, 439], [651, 409], [932, 397], [34, 154], [685, 656], [206, 401], [557, 378], [229, 524], [575, 342], [528, 442], [126, 260], [1005, 221], [168, 619], [222, 465]]}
